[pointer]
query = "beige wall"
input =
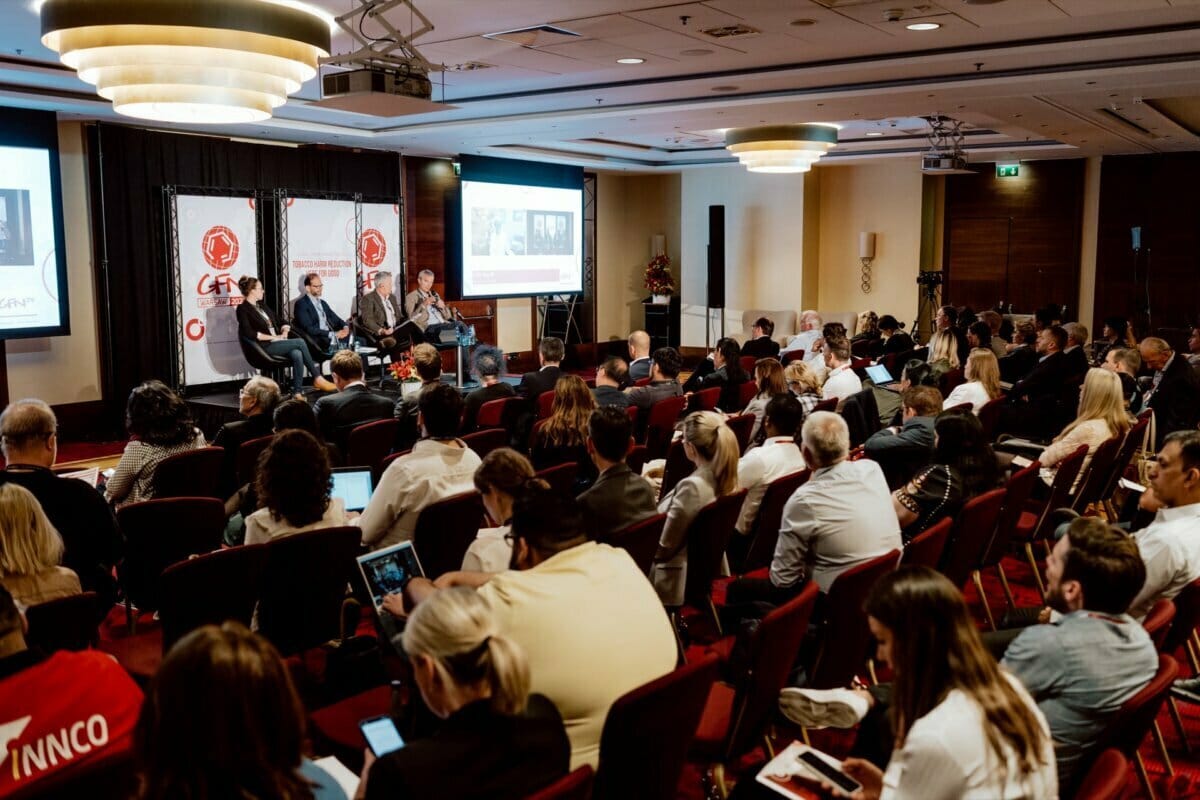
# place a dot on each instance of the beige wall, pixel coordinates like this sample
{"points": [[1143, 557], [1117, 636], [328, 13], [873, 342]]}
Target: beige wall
{"points": [[66, 369], [1087, 250]]}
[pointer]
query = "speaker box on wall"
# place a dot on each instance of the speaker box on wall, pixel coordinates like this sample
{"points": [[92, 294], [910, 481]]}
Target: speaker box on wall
{"points": [[716, 256]]}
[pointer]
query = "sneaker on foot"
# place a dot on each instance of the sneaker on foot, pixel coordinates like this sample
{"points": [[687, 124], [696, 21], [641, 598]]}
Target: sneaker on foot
{"points": [[1187, 689], [823, 708]]}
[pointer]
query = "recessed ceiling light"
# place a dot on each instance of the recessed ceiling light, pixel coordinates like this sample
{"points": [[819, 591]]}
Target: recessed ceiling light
{"points": [[924, 26], [631, 61], [700, 51], [802, 23], [874, 133]]}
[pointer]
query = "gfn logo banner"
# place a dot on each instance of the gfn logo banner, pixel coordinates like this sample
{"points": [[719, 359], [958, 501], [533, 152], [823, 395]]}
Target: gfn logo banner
{"points": [[29, 759], [220, 247]]}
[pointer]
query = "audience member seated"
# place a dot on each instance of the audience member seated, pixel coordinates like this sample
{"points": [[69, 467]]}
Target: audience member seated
{"points": [[92, 543], [293, 487], [297, 415], [1077, 361], [1170, 546], [639, 356], [1047, 316], [895, 340], [840, 381], [1173, 389], [963, 466], [722, 368], [712, 447], [778, 455], [316, 319], [868, 328], [983, 381], [159, 425], [495, 739], [488, 366], [31, 551], [804, 385], [587, 619], [256, 402], [257, 323], [810, 332], [1126, 361], [1082, 666], [958, 726], [943, 353], [502, 475], [228, 688], [1037, 398], [1115, 335], [1022, 353], [901, 450], [979, 335], [85, 693], [664, 381], [1194, 347], [380, 314], [611, 377], [563, 436], [428, 363], [761, 345], [768, 377], [946, 321], [994, 321], [619, 497], [353, 404], [438, 467], [550, 354]]}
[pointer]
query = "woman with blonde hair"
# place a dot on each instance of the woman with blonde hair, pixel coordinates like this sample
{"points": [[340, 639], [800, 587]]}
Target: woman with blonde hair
{"points": [[983, 381], [804, 384], [709, 444], [1101, 417], [943, 352], [768, 376], [496, 740], [563, 436], [31, 551]]}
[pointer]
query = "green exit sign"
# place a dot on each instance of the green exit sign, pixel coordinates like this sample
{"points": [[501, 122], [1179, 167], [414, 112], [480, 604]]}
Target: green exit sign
{"points": [[1008, 170]]}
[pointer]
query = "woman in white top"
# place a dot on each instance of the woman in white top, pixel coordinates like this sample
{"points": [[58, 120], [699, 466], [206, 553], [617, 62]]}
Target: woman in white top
{"points": [[983, 381], [293, 485], [1101, 417], [768, 376], [159, 425], [963, 728], [501, 475]]}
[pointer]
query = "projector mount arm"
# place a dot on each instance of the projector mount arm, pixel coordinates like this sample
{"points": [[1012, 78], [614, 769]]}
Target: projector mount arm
{"points": [[393, 50]]}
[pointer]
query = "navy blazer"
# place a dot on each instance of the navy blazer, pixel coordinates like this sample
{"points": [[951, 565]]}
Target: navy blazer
{"points": [[306, 319]]}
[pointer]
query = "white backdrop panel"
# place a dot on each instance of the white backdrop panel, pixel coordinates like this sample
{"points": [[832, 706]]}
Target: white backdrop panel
{"points": [[379, 243], [321, 238]]}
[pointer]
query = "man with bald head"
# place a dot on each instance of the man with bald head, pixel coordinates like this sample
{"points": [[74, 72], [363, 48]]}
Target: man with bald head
{"points": [[639, 356], [1173, 389], [29, 440]]}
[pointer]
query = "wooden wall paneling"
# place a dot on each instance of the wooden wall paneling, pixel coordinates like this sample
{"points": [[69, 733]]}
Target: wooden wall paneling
{"points": [[977, 256], [1042, 266]]}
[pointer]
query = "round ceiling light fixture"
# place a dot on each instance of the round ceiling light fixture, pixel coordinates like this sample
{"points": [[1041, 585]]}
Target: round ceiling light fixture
{"points": [[631, 60], [923, 26], [216, 62], [781, 148]]}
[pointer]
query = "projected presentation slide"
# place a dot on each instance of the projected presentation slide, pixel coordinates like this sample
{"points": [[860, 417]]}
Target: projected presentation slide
{"points": [[29, 290], [521, 240]]}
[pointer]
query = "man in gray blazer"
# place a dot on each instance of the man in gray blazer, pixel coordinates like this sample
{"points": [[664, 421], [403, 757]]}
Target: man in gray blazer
{"points": [[618, 498], [426, 309], [380, 315]]}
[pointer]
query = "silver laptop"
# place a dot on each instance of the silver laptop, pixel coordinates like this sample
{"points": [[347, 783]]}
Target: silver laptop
{"points": [[882, 377], [352, 485]]}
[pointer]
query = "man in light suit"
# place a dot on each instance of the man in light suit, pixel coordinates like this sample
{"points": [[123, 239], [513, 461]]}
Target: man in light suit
{"points": [[618, 498], [316, 319], [426, 309], [380, 315], [353, 404]]}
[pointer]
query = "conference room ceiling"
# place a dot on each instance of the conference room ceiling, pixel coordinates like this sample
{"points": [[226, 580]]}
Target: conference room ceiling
{"points": [[1030, 78]]}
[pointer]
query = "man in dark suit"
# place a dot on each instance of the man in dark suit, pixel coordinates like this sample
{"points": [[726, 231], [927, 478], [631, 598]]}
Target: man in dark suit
{"points": [[256, 402], [901, 451], [550, 354], [618, 498], [762, 345], [316, 319], [610, 377], [379, 314], [353, 404], [1075, 353], [1174, 389], [639, 356], [1044, 401]]}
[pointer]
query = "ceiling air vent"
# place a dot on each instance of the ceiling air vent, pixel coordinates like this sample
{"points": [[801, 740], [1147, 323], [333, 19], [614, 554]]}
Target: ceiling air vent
{"points": [[534, 36], [730, 31], [470, 66]]}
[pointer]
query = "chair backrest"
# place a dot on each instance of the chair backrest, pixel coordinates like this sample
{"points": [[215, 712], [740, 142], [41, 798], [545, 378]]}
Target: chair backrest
{"points": [[246, 460], [1106, 779], [660, 424], [971, 536], [499, 413], [773, 649], [561, 477], [632, 412], [487, 440], [770, 518], [303, 587], [1187, 618], [678, 467], [707, 539], [951, 379], [1017, 491], [210, 589], [1092, 484], [545, 404], [790, 356], [746, 393], [1060, 489], [259, 358], [642, 382], [1129, 447], [844, 649], [747, 363], [193, 473], [706, 399], [854, 414], [647, 732], [576, 785], [637, 457], [926, 548], [68, 623], [826, 405], [1128, 727], [1158, 622], [989, 415], [742, 426], [445, 530], [159, 533], [640, 540], [367, 445]]}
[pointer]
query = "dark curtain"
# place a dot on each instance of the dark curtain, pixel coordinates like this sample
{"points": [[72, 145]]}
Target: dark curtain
{"points": [[128, 169]]}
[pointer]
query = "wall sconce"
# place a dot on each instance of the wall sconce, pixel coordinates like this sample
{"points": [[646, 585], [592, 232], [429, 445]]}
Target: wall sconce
{"points": [[866, 254]]}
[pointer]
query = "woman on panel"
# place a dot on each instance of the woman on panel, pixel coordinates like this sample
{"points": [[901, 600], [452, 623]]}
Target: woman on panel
{"points": [[983, 381], [293, 485], [563, 435], [258, 323], [31, 551], [768, 376], [159, 425], [713, 448]]}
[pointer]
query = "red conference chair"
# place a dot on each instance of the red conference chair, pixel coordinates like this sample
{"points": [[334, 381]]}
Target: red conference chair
{"points": [[989, 416], [1158, 622], [1106, 779], [1182, 635], [367, 445], [706, 399], [770, 519], [68, 623], [1128, 727], [1034, 523], [246, 460], [445, 530], [211, 589], [1092, 484], [640, 540], [561, 477], [826, 405], [678, 467], [951, 380], [746, 392], [747, 363], [498, 413], [642, 382], [545, 404], [637, 457], [926, 547], [970, 538], [487, 440], [707, 540], [632, 411], [193, 473], [646, 736], [572, 786], [789, 357], [1017, 492], [660, 424], [846, 641], [742, 426], [1133, 440]]}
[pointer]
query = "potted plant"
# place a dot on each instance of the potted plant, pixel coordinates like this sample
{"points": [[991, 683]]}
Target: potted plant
{"points": [[659, 281], [406, 374]]}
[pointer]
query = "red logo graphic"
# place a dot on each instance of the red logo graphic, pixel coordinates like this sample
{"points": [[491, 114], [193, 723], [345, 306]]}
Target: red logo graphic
{"points": [[220, 247], [194, 329], [372, 247]]}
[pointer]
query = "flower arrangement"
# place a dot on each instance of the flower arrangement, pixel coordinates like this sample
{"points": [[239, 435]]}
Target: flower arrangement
{"points": [[659, 280], [404, 371]]}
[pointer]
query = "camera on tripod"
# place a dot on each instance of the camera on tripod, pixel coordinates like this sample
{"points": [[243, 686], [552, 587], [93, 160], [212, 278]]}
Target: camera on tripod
{"points": [[930, 278]]}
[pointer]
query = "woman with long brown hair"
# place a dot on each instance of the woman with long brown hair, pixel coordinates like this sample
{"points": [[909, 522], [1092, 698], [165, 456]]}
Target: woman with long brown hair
{"points": [[768, 378], [563, 436]]}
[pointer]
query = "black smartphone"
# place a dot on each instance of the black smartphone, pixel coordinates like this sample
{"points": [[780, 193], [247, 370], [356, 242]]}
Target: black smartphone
{"points": [[381, 735], [829, 772]]}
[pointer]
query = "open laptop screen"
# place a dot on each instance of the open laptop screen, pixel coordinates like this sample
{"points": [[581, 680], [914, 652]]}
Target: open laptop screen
{"points": [[387, 571], [352, 485], [879, 374]]}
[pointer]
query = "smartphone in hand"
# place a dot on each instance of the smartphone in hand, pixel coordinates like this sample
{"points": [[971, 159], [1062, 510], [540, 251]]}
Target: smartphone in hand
{"points": [[381, 735]]}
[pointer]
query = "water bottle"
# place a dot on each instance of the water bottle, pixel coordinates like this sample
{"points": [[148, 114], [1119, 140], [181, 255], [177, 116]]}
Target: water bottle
{"points": [[471, 335]]}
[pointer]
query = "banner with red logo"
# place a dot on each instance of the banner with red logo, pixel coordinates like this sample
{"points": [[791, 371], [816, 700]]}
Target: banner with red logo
{"points": [[379, 244], [218, 244], [321, 236]]}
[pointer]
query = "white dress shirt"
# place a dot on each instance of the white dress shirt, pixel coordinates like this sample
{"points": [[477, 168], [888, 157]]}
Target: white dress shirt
{"points": [[261, 527], [972, 392], [841, 383], [1170, 546], [802, 341], [778, 456]]}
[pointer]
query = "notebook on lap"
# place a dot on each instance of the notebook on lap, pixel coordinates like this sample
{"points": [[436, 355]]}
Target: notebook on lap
{"points": [[353, 486]]}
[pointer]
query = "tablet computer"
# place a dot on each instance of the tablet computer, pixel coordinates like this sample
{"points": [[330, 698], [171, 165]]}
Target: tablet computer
{"points": [[353, 486]]}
